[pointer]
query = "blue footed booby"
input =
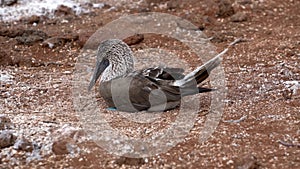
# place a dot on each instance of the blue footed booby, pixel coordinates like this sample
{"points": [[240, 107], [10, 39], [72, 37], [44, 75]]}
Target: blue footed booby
{"points": [[150, 89]]}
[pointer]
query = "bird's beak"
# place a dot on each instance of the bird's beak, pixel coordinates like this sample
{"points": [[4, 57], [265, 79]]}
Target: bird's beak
{"points": [[100, 67]]}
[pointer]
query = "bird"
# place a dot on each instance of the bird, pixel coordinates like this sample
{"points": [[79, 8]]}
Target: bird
{"points": [[151, 89]]}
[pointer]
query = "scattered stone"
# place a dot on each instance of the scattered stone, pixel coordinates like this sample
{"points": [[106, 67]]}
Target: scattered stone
{"points": [[5, 59], [59, 40], [63, 10], [244, 2], [130, 161], [100, 5], [59, 147], [64, 146], [7, 138], [291, 88], [218, 38], [8, 2], [225, 9], [247, 162], [66, 139], [11, 33], [239, 17], [133, 40], [5, 122], [33, 19], [77, 135], [30, 37], [287, 94], [173, 4], [23, 144], [24, 61], [5, 79], [293, 85]]}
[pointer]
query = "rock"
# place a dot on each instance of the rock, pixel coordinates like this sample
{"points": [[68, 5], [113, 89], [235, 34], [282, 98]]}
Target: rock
{"points": [[59, 40], [133, 40], [239, 17], [33, 19], [64, 146], [5, 81], [174, 4], [244, 2], [130, 161], [30, 37], [225, 9], [24, 61], [247, 162], [63, 10], [8, 2], [66, 140], [23, 144], [59, 147], [218, 38], [72, 133], [5, 122], [5, 59], [11, 33], [7, 138]]}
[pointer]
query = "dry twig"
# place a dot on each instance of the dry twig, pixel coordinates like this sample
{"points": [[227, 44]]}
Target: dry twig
{"points": [[288, 144]]}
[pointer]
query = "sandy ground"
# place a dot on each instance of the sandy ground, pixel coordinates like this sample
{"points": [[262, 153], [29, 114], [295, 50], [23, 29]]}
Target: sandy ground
{"points": [[260, 125]]}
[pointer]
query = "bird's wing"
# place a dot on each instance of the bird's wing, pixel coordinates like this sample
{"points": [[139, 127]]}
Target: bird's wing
{"points": [[163, 73], [154, 90], [140, 91]]}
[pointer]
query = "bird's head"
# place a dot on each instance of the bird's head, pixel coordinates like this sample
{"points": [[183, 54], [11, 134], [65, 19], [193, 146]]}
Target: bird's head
{"points": [[114, 58]]}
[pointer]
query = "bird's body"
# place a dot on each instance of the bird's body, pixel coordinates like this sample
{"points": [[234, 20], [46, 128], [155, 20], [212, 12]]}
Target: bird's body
{"points": [[151, 89]]}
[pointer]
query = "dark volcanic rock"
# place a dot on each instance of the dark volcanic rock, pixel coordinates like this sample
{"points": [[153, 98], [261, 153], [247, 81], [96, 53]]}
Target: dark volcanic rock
{"points": [[247, 162], [174, 4], [130, 161], [5, 60], [244, 2], [11, 33], [63, 10], [60, 146], [24, 36], [59, 40], [5, 122], [33, 19], [133, 40], [225, 9], [30, 37], [23, 144], [67, 140], [8, 2], [239, 17], [7, 138]]}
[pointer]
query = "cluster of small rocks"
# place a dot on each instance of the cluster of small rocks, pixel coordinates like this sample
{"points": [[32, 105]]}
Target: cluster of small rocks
{"points": [[10, 140], [8, 2], [30, 37], [14, 142], [7, 138]]}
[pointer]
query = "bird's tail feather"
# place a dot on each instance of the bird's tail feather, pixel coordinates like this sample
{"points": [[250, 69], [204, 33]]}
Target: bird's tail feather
{"points": [[192, 91], [202, 72]]}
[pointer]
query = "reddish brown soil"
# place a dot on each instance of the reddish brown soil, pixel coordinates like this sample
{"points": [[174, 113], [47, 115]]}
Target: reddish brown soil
{"points": [[255, 71]]}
